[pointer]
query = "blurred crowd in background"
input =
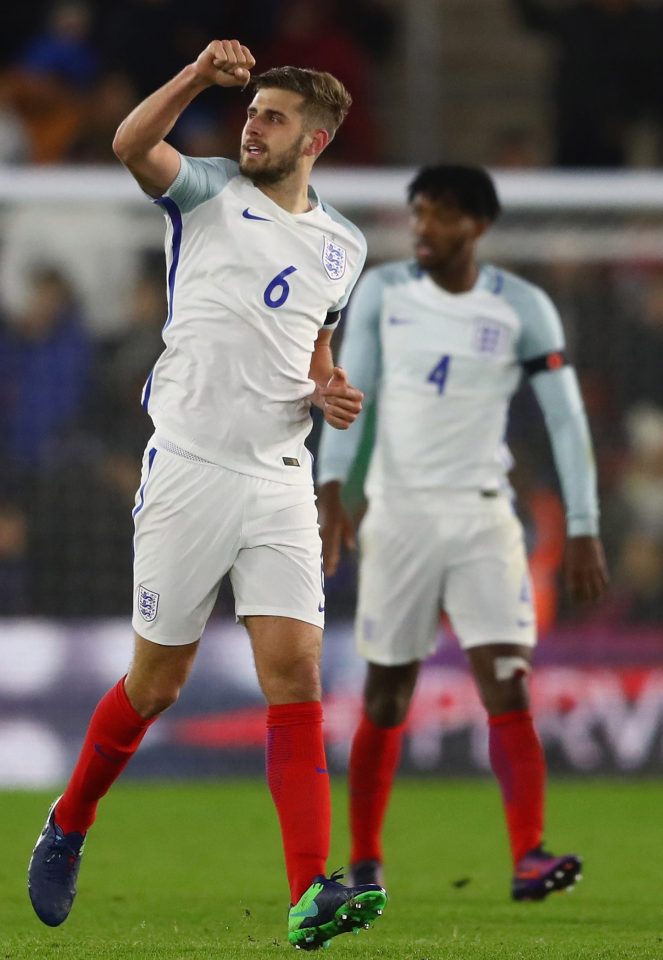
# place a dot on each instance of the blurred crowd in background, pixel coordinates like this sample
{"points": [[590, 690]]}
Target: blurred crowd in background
{"points": [[72, 71], [579, 82], [73, 356]]}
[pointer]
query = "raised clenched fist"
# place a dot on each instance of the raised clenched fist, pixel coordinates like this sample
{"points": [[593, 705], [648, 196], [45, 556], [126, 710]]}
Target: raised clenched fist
{"points": [[225, 63]]}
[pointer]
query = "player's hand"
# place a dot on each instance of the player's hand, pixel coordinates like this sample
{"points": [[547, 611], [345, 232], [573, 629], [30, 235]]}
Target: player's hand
{"points": [[225, 63], [341, 402], [586, 570], [336, 528]]}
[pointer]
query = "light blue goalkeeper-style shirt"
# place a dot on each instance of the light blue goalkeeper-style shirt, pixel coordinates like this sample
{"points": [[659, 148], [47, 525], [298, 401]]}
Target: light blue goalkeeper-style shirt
{"points": [[443, 368]]}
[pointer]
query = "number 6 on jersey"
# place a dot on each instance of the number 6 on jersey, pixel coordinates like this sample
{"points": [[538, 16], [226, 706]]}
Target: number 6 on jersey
{"points": [[278, 283]]}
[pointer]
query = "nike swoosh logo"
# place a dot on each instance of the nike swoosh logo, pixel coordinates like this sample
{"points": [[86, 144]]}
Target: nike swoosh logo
{"points": [[311, 911], [398, 321], [321, 770], [106, 756], [253, 216]]}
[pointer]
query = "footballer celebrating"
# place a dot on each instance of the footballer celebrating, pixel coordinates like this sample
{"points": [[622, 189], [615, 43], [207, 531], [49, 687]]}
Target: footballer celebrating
{"points": [[258, 271]]}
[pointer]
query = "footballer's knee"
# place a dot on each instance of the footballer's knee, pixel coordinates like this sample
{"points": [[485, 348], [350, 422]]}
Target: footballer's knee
{"points": [[501, 676], [386, 711], [295, 682], [286, 653], [157, 674], [150, 701], [388, 692], [504, 696]]}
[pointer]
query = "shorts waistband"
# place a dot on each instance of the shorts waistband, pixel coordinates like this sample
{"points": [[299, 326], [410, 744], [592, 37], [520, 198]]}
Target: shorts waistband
{"points": [[473, 499]]}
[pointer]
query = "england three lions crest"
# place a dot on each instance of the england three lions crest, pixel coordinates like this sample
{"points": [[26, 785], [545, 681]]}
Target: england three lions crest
{"points": [[333, 259], [148, 603]]}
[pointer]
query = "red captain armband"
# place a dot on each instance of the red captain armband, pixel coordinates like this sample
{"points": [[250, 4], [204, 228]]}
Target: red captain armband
{"points": [[548, 361]]}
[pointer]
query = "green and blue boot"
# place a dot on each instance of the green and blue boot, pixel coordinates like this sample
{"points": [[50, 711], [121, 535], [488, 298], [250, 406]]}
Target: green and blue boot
{"points": [[328, 908]]}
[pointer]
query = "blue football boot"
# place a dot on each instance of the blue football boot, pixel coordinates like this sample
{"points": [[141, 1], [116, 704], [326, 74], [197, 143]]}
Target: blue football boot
{"points": [[53, 872]]}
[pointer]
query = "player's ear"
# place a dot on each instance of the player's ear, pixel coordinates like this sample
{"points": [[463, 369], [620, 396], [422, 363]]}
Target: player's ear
{"points": [[318, 140], [480, 227]]}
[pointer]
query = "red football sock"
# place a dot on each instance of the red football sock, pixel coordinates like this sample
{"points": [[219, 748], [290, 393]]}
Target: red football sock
{"points": [[519, 765], [113, 736], [299, 784], [374, 758]]}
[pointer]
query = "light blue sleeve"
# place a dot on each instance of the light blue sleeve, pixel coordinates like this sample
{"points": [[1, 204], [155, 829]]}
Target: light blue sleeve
{"points": [[560, 399], [541, 330], [360, 356], [200, 179], [558, 394]]}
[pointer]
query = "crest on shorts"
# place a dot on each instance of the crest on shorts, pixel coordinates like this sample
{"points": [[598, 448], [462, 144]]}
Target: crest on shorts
{"points": [[148, 603], [333, 259]]}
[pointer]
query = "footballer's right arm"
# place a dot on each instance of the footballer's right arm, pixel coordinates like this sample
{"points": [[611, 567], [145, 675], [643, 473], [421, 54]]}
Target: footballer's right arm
{"points": [[139, 142]]}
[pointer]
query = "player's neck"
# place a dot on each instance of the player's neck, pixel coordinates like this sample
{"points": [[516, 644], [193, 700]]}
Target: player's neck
{"points": [[291, 194], [456, 278]]}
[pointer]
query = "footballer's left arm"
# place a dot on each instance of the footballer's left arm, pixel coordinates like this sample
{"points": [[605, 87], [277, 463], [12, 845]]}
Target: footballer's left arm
{"points": [[322, 365], [558, 393], [339, 401], [541, 352]]}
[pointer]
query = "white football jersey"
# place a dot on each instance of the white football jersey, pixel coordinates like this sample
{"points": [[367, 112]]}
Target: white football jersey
{"points": [[249, 287], [443, 368]]}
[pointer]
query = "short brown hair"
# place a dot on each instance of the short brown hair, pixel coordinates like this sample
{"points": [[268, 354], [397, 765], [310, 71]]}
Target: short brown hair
{"points": [[326, 101]]}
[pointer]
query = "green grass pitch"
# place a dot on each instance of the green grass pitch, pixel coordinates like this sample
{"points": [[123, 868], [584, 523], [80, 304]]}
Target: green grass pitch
{"points": [[194, 871]]}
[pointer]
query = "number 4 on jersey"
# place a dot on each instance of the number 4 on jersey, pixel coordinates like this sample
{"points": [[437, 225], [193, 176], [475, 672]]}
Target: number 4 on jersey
{"points": [[440, 372]]}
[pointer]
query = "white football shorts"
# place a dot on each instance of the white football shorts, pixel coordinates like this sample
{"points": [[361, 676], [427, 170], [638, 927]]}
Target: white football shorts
{"points": [[195, 521], [463, 553]]}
